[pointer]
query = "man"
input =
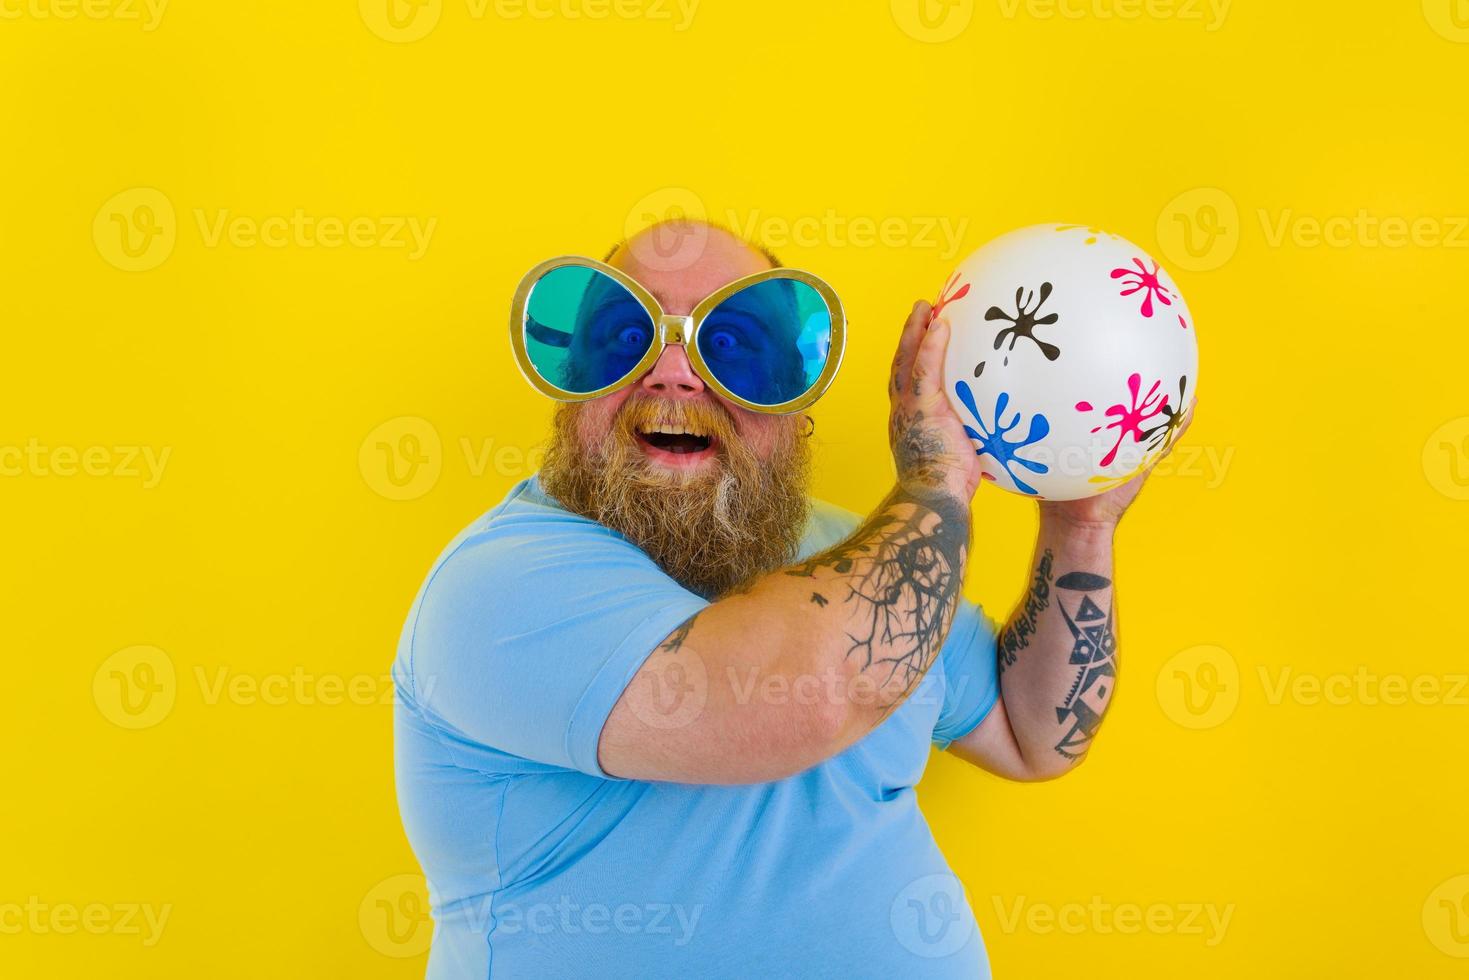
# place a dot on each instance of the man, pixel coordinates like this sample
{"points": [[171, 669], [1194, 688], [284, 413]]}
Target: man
{"points": [[659, 714]]}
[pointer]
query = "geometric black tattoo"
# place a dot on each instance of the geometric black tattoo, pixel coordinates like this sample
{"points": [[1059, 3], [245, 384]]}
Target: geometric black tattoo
{"points": [[1093, 653]]}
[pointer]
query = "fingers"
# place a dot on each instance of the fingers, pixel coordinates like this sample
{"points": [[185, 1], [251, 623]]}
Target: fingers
{"points": [[927, 386], [908, 341]]}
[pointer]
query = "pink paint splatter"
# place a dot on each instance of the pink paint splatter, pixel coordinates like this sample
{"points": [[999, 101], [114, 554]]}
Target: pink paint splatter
{"points": [[1182, 322], [1083, 406], [1129, 419], [1141, 280], [945, 299]]}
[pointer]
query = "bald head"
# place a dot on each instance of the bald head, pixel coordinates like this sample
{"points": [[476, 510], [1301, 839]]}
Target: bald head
{"points": [[682, 261]]}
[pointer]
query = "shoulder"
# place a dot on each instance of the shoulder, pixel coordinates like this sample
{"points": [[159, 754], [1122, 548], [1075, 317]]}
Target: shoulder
{"points": [[827, 525], [527, 534]]}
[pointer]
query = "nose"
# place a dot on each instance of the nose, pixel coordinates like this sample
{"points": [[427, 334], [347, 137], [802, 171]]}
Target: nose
{"points": [[673, 376]]}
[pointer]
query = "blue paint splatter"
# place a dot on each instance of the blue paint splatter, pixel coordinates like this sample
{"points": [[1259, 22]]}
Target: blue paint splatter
{"points": [[994, 442]]}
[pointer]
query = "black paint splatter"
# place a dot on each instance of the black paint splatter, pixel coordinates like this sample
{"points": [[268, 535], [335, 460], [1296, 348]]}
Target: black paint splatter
{"points": [[1024, 322], [1161, 436]]}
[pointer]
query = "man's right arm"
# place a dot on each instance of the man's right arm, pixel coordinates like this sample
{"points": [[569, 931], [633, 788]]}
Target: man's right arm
{"points": [[766, 683]]}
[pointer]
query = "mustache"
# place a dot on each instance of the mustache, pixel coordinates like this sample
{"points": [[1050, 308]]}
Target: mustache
{"points": [[644, 411]]}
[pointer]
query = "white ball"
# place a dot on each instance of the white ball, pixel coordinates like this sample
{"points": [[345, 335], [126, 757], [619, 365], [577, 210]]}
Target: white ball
{"points": [[1071, 359]]}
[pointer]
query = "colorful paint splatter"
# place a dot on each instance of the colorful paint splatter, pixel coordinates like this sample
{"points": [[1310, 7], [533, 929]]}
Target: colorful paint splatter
{"points": [[1141, 280], [945, 297], [1025, 320], [1101, 484], [1128, 419], [1161, 437], [991, 440], [1092, 233]]}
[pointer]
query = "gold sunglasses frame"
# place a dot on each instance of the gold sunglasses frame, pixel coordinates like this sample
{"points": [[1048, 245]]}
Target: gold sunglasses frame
{"points": [[682, 330]]}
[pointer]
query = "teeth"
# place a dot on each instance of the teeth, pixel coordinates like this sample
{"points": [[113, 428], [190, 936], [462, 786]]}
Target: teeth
{"points": [[671, 429]]}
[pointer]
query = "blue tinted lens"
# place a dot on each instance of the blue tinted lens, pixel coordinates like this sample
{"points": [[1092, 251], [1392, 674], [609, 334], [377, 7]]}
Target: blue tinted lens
{"points": [[769, 342], [583, 329]]}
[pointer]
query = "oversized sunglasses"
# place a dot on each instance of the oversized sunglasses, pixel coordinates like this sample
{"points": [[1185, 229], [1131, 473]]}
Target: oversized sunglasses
{"points": [[770, 342]]}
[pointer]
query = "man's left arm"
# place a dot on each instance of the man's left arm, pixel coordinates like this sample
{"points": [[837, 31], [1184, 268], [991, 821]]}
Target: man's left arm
{"points": [[1057, 654]]}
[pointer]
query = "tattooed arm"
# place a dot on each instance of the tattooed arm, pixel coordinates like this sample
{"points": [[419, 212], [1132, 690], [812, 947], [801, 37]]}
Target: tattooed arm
{"points": [[1057, 659], [1058, 651], [808, 659]]}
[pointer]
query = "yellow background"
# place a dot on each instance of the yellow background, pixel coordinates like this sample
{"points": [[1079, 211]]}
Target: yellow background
{"points": [[271, 554]]}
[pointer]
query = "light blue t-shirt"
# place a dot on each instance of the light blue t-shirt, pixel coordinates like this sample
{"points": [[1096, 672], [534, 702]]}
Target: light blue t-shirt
{"points": [[522, 638]]}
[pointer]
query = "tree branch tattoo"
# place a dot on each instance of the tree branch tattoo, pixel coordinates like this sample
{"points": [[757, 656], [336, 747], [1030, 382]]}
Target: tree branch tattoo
{"points": [[675, 641], [1016, 636], [1093, 654], [903, 569]]}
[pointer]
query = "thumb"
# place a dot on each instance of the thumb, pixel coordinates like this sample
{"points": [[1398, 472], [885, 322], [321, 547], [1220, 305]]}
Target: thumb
{"points": [[928, 367]]}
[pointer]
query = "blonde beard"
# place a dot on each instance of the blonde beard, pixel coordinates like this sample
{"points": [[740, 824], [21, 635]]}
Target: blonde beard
{"points": [[712, 531]]}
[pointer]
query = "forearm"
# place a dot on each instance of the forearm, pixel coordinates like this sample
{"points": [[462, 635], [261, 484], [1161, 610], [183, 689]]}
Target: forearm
{"points": [[1058, 652]]}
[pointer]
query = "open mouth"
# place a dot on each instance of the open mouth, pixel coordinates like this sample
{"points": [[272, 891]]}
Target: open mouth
{"points": [[675, 439]]}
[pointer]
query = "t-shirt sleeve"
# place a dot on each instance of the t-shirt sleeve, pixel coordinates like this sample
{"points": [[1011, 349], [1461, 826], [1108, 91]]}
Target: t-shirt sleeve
{"points": [[526, 635], [971, 676]]}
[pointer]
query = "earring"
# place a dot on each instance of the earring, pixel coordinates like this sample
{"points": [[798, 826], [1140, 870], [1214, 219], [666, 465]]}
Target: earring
{"points": [[810, 427]]}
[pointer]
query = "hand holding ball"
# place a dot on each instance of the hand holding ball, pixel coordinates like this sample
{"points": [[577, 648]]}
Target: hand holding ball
{"points": [[1071, 359]]}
